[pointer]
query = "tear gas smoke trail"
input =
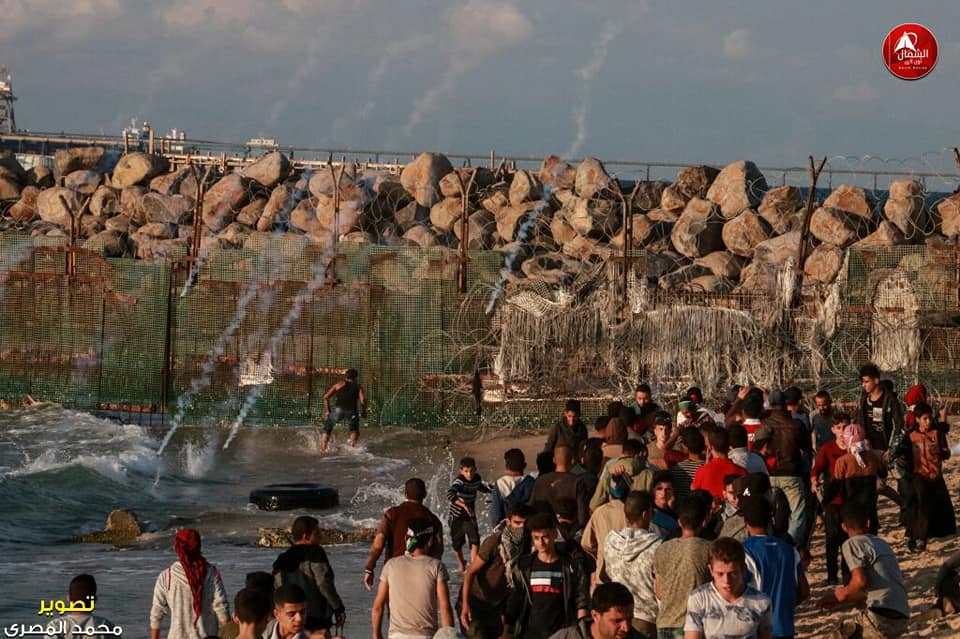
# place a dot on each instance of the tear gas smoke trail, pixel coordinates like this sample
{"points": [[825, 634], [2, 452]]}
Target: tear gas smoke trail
{"points": [[586, 73], [522, 236], [203, 380], [320, 268]]}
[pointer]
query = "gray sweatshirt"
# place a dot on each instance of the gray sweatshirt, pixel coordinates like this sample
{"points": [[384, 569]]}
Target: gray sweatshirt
{"points": [[172, 598]]}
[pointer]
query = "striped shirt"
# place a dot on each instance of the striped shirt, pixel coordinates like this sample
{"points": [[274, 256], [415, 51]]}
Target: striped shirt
{"points": [[683, 474], [465, 490]]}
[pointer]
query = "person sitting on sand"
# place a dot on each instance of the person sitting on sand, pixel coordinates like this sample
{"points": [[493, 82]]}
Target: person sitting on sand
{"points": [[876, 583]]}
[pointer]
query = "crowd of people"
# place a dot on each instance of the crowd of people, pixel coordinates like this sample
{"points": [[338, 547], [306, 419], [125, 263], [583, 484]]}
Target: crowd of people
{"points": [[696, 524]]}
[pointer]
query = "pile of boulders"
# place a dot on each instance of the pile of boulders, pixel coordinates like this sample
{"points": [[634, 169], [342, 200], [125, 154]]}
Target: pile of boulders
{"points": [[710, 230]]}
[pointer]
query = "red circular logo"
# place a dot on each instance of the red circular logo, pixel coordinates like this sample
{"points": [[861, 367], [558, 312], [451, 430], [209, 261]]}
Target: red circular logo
{"points": [[910, 51]]}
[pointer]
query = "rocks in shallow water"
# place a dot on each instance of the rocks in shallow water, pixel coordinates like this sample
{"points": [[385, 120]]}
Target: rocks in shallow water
{"points": [[280, 537], [699, 230], [737, 187], [421, 178], [123, 526]]}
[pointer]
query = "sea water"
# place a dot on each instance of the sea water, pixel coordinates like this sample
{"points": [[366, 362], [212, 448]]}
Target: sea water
{"points": [[62, 472]]}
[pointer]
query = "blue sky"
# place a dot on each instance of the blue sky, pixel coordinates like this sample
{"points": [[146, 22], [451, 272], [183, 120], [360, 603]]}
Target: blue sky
{"points": [[674, 81]]}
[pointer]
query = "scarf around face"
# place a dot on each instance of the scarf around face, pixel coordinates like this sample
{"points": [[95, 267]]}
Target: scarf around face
{"points": [[856, 441], [511, 547], [187, 546]]}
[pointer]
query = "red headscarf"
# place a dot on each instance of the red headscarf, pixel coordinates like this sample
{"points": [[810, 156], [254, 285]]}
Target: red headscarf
{"points": [[914, 396], [187, 546]]}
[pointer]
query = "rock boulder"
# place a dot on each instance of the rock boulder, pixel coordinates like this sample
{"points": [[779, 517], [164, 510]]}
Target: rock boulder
{"points": [[592, 178], [836, 227], [851, 199], [269, 170], [699, 230], [906, 209], [85, 158], [137, 168], [744, 232], [223, 201], [421, 178], [823, 264], [50, 207], [738, 186], [780, 208], [525, 187]]}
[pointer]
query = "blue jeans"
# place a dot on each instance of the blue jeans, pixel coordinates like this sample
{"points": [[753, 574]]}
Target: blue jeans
{"points": [[796, 495], [338, 414]]}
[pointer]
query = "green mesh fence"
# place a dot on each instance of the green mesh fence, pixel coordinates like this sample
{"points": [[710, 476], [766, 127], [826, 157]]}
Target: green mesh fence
{"points": [[276, 323]]}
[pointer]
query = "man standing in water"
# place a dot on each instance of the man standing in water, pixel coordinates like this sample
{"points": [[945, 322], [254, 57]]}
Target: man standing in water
{"points": [[351, 404]]}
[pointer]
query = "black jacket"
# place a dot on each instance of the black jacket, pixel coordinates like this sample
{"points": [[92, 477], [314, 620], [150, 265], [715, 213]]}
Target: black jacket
{"points": [[576, 592], [307, 566], [562, 435], [892, 421]]}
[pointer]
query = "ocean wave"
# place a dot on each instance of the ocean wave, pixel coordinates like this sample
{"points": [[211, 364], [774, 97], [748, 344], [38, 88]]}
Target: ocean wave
{"points": [[50, 439]]}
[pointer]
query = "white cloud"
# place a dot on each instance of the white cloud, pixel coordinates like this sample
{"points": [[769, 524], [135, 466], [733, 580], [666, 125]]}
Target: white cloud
{"points": [[855, 92], [737, 45], [482, 26], [189, 14], [477, 29], [57, 16]]}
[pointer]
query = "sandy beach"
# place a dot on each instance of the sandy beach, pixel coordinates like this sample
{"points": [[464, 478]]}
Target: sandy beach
{"points": [[919, 570]]}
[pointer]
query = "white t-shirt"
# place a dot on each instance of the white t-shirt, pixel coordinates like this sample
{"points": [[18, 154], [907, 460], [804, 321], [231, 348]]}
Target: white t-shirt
{"points": [[414, 608], [717, 618]]}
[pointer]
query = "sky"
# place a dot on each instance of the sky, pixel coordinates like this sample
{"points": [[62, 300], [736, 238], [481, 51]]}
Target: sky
{"points": [[679, 81]]}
